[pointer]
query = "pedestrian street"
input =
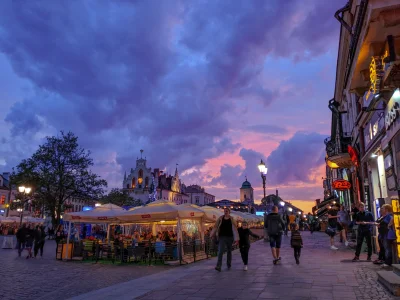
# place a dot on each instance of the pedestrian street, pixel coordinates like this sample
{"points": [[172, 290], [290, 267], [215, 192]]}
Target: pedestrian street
{"points": [[322, 274]]}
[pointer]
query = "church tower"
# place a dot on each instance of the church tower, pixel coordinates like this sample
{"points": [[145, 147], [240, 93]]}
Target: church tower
{"points": [[246, 193], [175, 182]]}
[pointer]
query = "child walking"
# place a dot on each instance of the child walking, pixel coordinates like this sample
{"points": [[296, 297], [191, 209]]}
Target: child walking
{"points": [[296, 241], [244, 242]]}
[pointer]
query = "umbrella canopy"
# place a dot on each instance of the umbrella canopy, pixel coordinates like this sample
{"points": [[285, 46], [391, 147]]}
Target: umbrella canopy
{"points": [[159, 211], [211, 214], [10, 220], [106, 213], [32, 220]]}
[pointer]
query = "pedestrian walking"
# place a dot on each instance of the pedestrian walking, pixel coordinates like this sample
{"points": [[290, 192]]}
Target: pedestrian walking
{"points": [[244, 242], [225, 231], [343, 224], [30, 237], [275, 226], [286, 220], [21, 238], [332, 226], [364, 219], [296, 242], [40, 239]]}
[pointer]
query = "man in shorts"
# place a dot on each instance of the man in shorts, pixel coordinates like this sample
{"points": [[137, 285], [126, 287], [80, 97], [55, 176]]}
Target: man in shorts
{"points": [[275, 226]]}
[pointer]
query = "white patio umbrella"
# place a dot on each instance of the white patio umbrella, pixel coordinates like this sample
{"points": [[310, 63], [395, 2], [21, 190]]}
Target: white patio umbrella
{"points": [[106, 213], [211, 214]]}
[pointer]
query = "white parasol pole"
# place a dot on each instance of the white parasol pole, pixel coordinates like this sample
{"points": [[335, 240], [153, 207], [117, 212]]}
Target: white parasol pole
{"points": [[108, 233], [69, 233], [202, 230]]}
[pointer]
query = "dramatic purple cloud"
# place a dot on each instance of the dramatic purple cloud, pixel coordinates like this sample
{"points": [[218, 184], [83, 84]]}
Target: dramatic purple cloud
{"points": [[175, 78]]}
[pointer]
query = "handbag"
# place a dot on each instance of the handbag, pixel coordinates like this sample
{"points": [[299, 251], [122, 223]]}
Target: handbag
{"points": [[391, 235]]}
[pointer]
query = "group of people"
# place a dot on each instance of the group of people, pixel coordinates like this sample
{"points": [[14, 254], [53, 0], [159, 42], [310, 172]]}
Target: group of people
{"points": [[29, 237], [8, 229], [226, 233], [339, 221]]}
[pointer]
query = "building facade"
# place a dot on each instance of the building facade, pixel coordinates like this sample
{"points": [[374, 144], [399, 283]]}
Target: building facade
{"points": [[363, 163], [142, 182], [7, 195], [198, 196]]}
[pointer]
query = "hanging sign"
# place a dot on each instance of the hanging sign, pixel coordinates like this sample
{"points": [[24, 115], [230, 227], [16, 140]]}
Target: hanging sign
{"points": [[341, 185], [353, 155]]}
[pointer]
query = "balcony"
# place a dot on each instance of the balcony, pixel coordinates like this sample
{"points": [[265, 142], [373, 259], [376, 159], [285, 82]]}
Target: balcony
{"points": [[337, 150]]}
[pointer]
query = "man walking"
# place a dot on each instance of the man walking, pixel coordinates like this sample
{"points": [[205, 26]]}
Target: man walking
{"points": [[21, 239], [364, 220], [275, 226], [226, 233]]}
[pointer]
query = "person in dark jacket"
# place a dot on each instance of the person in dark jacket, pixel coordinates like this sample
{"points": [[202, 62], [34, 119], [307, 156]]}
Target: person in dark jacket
{"points": [[364, 220], [244, 242], [275, 226], [30, 237], [40, 239], [382, 231], [21, 239], [296, 242]]}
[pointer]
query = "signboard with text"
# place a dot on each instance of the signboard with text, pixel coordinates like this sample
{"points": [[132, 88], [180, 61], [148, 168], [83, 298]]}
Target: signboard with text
{"points": [[341, 185]]}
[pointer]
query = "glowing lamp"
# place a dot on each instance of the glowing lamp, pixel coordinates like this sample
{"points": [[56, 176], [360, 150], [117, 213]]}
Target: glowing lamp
{"points": [[21, 189]]}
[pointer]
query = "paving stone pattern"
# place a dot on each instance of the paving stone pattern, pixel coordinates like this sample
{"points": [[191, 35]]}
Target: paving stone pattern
{"points": [[48, 278], [320, 275]]}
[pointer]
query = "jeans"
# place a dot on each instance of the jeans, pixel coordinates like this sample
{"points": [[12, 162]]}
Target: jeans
{"points": [[225, 242], [244, 252], [382, 251], [38, 246], [360, 238], [20, 247], [297, 252], [388, 251]]}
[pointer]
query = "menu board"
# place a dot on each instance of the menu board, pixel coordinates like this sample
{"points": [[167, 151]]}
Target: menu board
{"points": [[396, 214]]}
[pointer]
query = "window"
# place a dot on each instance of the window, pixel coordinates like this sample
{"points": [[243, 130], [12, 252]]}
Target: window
{"points": [[133, 182], [197, 198], [140, 179]]}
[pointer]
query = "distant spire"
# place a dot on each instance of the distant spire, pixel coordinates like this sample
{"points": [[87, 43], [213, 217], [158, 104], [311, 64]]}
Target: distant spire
{"points": [[176, 170], [246, 177], [141, 153]]}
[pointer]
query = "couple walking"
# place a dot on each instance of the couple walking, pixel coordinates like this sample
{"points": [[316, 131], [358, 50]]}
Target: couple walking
{"points": [[227, 234]]}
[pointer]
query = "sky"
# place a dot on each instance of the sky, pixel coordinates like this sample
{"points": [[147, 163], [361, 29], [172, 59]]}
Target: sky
{"points": [[213, 86]]}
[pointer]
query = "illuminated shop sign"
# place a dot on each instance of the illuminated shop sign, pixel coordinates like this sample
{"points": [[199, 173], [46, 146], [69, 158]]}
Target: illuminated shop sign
{"points": [[392, 109], [341, 185]]}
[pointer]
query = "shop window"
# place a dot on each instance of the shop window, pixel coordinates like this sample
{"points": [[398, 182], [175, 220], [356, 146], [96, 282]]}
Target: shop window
{"points": [[197, 199]]}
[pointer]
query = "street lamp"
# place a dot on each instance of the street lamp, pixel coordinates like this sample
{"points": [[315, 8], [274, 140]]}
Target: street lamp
{"points": [[263, 170], [24, 191]]}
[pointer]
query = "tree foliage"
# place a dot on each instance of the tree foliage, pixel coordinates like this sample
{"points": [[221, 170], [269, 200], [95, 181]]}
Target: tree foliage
{"points": [[118, 197], [59, 171]]}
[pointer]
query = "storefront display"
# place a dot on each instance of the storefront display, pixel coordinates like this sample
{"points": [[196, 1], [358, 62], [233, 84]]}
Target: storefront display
{"points": [[396, 214]]}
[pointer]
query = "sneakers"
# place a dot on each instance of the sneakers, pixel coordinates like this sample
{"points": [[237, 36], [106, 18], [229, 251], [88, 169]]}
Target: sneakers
{"points": [[297, 261], [279, 258], [334, 248], [275, 261], [245, 268], [218, 269], [346, 243], [356, 258]]}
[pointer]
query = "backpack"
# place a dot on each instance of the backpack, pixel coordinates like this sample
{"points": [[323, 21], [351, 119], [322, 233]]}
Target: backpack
{"points": [[274, 224]]}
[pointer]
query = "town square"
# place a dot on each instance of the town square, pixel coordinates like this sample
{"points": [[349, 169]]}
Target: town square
{"points": [[200, 149]]}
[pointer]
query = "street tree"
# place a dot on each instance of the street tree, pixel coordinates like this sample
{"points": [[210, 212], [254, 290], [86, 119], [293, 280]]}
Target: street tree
{"points": [[59, 171], [120, 198]]}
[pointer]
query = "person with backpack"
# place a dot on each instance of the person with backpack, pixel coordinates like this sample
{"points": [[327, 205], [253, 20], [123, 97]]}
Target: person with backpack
{"points": [[275, 226], [296, 242]]}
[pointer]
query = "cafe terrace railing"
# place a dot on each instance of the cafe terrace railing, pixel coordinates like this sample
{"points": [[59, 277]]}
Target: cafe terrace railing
{"points": [[140, 253]]}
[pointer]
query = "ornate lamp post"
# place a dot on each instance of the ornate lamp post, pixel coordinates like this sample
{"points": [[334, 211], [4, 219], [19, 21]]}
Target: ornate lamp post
{"points": [[24, 191], [263, 170]]}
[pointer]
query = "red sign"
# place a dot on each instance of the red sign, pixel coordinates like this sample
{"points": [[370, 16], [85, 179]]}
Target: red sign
{"points": [[102, 218], [192, 214], [146, 216], [353, 155], [76, 217], [341, 185]]}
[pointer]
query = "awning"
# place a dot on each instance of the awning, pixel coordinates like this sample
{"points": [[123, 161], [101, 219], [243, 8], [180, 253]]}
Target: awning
{"points": [[343, 160]]}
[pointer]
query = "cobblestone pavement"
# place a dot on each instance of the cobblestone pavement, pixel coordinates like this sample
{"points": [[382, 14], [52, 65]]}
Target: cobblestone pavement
{"points": [[322, 274], [48, 278]]}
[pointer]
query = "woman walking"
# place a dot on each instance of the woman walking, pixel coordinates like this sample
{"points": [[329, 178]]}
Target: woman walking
{"points": [[390, 236], [30, 236], [59, 235]]}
